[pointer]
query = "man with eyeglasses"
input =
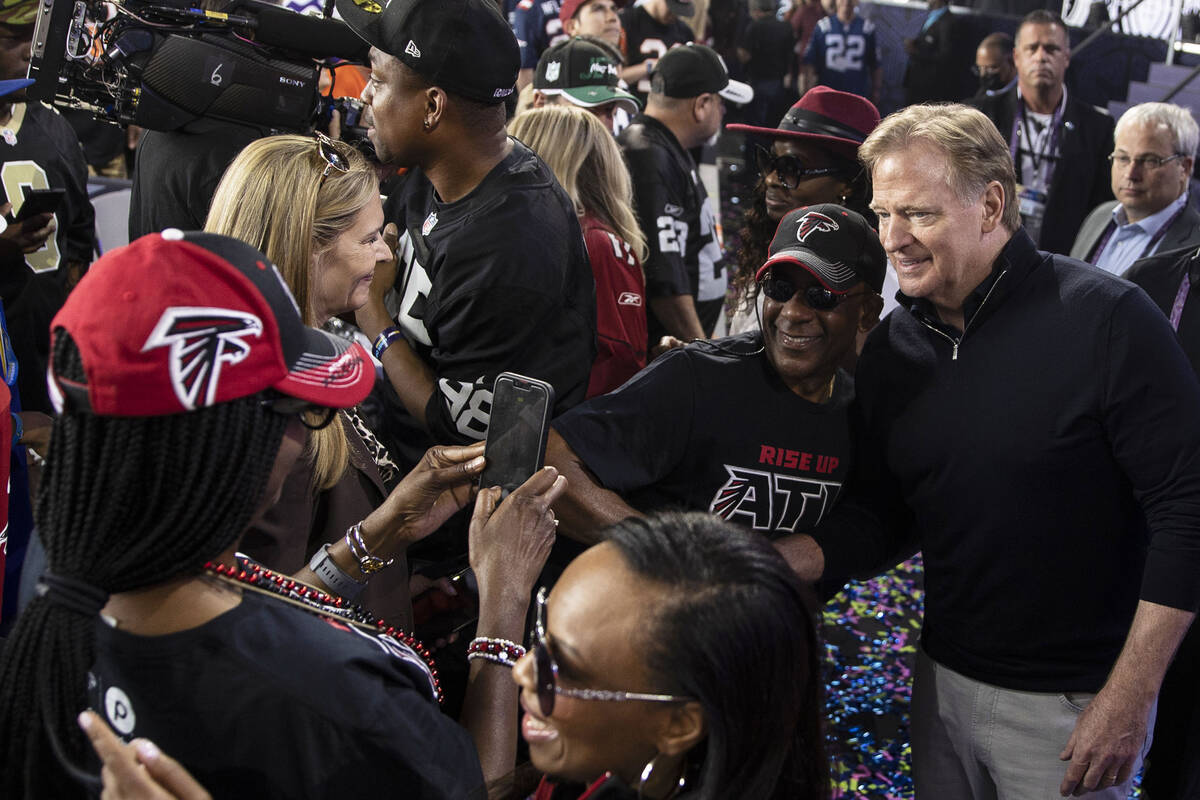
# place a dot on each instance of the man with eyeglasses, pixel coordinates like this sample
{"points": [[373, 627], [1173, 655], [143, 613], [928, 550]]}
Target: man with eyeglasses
{"points": [[753, 427], [994, 66], [1058, 143], [1151, 164]]}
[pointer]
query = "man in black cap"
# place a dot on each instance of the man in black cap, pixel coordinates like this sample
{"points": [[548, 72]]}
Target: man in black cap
{"points": [[772, 403], [580, 72], [492, 271], [685, 270]]}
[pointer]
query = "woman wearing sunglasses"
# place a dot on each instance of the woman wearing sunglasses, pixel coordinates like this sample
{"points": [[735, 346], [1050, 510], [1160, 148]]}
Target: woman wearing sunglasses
{"points": [[813, 158], [319, 218], [676, 659]]}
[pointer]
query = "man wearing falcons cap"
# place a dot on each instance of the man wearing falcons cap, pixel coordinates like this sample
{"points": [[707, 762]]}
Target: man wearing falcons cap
{"points": [[772, 403]]}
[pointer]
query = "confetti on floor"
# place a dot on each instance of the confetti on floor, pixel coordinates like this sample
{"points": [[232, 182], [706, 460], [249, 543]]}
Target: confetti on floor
{"points": [[871, 630]]}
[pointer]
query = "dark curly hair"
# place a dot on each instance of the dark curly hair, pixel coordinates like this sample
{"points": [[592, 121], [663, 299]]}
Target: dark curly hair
{"points": [[758, 228]]}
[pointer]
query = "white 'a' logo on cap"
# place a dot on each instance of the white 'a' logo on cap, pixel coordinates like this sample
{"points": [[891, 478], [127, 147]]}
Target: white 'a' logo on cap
{"points": [[411, 49], [552, 70], [201, 341]]}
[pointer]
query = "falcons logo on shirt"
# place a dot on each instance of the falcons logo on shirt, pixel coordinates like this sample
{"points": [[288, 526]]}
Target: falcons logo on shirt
{"points": [[731, 495], [202, 340], [811, 222]]}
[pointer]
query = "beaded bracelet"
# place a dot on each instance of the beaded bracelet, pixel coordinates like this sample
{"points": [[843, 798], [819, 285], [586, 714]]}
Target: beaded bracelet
{"points": [[384, 340], [498, 651]]}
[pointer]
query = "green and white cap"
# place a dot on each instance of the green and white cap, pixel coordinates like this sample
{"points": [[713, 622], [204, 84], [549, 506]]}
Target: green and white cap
{"points": [[584, 74]]}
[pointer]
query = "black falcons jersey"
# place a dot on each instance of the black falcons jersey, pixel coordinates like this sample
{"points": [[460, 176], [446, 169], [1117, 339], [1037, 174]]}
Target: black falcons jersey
{"points": [[711, 427], [677, 219], [646, 37], [497, 281], [268, 701]]}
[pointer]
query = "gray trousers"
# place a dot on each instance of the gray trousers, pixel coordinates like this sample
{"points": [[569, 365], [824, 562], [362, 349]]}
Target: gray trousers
{"points": [[974, 741]]}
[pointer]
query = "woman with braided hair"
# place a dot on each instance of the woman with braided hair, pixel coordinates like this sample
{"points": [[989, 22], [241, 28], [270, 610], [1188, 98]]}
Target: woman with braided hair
{"points": [[178, 426]]}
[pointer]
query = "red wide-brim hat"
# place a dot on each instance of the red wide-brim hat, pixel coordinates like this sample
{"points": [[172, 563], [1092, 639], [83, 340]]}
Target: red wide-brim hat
{"points": [[840, 121]]}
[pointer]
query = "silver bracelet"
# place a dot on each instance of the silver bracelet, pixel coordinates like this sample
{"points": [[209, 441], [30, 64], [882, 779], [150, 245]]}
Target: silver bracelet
{"points": [[369, 564], [333, 576]]}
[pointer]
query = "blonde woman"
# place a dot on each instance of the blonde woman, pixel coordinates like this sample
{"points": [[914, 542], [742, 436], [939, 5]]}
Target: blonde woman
{"points": [[312, 206], [581, 152]]}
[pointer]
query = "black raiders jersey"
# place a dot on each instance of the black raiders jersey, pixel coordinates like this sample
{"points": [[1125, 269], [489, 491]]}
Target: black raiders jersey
{"points": [[675, 214], [496, 281]]}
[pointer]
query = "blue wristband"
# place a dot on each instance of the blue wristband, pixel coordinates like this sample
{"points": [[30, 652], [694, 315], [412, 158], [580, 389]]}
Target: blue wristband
{"points": [[384, 340]]}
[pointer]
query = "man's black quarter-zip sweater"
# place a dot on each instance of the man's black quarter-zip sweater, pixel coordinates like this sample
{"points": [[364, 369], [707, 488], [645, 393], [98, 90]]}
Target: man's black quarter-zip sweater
{"points": [[1047, 461]]}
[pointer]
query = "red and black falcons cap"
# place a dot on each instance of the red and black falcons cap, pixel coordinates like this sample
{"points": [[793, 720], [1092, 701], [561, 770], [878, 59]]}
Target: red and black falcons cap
{"points": [[178, 321]]}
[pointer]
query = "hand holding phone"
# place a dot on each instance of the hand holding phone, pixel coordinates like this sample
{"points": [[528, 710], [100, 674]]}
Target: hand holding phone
{"points": [[40, 201], [517, 431]]}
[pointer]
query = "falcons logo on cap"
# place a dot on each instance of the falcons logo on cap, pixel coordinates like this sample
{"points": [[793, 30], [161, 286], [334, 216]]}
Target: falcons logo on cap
{"points": [[201, 341], [813, 221]]}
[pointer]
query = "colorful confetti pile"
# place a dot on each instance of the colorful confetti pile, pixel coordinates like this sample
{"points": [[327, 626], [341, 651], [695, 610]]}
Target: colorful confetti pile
{"points": [[871, 630]]}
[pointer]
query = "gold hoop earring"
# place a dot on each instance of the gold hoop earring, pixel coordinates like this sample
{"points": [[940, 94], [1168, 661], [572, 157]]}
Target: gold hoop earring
{"points": [[648, 772]]}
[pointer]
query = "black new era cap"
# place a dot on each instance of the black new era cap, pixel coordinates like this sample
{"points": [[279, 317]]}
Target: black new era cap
{"points": [[463, 46], [583, 73], [835, 244], [693, 69]]}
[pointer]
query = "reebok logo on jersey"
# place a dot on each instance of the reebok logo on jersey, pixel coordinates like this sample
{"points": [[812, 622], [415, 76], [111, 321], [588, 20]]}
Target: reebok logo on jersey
{"points": [[814, 222], [202, 340], [629, 299], [411, 49], [672, 209]]}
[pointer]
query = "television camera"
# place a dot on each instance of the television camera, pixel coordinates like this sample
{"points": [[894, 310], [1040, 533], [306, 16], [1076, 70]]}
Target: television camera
{"points": [[166, 64]]}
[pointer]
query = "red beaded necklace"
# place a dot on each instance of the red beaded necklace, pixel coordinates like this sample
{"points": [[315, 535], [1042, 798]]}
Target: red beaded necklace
{"points": [[254, 576]]}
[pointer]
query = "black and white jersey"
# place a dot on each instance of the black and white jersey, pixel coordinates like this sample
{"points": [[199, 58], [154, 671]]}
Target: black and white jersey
{"points": [[40, 150], [677, 218], [497, 281], [646, 37], [711, 427]]}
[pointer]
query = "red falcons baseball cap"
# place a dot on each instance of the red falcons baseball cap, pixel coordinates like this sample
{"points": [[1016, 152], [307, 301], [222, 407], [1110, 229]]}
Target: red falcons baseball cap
{"points": [[179, 321], [835, 244]]}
